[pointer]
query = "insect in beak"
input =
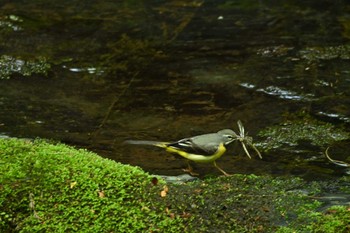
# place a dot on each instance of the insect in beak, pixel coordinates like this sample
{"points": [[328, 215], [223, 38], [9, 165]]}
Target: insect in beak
{"points": [[245, 139]]}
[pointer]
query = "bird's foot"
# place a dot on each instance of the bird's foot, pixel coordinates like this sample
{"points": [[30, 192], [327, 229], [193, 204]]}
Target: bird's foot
{"points": [[189, 170], [226, 174]]}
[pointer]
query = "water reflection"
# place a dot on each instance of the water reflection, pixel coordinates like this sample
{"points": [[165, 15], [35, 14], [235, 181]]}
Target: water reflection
{"points": [[284, 94], [90, 70], [339, 117]]}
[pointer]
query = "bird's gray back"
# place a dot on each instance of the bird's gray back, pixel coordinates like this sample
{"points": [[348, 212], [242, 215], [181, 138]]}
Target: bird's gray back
{"points": [[207, 142]]}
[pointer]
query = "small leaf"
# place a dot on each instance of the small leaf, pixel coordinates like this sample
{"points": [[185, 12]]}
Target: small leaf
{"points": [[73, 184], [101, 194], [163, 193]]}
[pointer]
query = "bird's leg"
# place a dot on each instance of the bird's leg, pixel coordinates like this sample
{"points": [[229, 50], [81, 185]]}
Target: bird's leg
{"points": [[225, 173], [189, 169]]}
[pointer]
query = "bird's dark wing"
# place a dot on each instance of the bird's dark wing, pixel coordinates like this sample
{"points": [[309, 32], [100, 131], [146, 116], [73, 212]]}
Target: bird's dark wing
{"points": [[188, 145]]}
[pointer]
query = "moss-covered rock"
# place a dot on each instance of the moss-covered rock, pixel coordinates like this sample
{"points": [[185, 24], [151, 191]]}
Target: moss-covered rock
{"points": [[11, 65], [304, 128], [249, 203], [335, 219], [55, 188]]}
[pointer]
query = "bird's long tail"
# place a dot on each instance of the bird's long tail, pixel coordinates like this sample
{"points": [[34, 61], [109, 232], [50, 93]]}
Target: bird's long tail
{"points": [[149, 143]]}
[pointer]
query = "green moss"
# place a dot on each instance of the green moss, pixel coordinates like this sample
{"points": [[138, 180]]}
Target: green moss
{"points": [[335, 219], [326, 53], [249, 203], [55, 188], [11, 65], [293, 131], [345, 188], [240, 203]]}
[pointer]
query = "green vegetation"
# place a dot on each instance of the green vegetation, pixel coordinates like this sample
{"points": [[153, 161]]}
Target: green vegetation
{"points": [[326, 53], [10, 66], [335, 219], [241, 203], [55, 188], [301, 128]]}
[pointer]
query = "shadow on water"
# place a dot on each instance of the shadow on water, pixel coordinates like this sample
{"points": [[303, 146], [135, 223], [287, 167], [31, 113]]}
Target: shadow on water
{"points": [[95, 75]]}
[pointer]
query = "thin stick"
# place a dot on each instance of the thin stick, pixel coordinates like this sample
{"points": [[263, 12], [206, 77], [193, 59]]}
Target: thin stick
{"points": [[336, 162]]}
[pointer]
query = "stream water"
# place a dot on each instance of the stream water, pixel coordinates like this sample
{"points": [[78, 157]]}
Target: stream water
{"points": [[93, 74]]}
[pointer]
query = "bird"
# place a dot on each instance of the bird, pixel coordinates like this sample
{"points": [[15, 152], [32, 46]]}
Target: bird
{"points": [[205, 148]]}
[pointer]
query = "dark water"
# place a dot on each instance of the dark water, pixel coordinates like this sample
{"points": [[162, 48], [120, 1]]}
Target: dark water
{"points": [[92, 74]]}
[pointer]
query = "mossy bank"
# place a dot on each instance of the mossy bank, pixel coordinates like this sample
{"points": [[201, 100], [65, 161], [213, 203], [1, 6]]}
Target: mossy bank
{"points": [[55, 188]]}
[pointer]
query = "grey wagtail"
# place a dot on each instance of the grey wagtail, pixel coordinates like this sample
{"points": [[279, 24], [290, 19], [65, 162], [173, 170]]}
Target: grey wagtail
{"points": [[205, 148]]}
